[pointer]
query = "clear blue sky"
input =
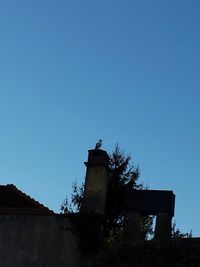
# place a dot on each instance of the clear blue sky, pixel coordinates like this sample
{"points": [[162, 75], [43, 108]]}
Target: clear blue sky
{"points": [[72, 72]]}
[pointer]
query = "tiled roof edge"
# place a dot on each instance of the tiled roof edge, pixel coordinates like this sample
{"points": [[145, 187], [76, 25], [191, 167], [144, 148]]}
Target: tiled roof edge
{"points": [[32, 200]]}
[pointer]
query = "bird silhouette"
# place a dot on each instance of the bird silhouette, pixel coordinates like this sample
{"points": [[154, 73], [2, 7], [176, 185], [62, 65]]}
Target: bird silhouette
{"points": [[98, 144]]}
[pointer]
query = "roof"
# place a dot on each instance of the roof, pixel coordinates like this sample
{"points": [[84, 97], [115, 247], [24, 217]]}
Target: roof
{"points": [[14, 201]]}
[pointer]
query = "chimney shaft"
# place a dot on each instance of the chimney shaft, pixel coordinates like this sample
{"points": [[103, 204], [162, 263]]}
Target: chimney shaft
{"points": [[96, 180]]}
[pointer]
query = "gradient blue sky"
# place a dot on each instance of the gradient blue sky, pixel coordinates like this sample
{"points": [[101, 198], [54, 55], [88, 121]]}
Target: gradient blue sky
{"points": [[72, 72]]}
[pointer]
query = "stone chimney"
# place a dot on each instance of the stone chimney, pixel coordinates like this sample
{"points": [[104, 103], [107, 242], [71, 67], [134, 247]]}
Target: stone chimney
{"points": [[96, 180]]}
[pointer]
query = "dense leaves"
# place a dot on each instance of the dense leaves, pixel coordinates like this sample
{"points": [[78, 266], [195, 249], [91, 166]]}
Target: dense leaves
{"points": [[123, 175], [177, 234]]}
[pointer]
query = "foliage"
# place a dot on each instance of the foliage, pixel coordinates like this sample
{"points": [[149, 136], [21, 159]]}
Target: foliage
{"points": [[123, 175], [76, 200], [176, 233], [65, 207]]}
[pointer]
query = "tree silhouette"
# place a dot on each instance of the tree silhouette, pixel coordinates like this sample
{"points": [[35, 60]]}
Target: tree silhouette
{"points": [[123, 175]]}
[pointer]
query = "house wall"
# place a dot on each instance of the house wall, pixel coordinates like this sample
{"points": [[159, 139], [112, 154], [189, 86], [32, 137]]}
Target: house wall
{"points": [[50, 241], [42, 241]]}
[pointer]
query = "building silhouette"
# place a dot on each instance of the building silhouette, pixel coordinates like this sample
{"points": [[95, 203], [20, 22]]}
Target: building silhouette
{"points": [[32, 235]]}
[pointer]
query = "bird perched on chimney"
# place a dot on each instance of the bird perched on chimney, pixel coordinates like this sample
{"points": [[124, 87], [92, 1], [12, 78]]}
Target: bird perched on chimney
{"points": [[98, 144]]}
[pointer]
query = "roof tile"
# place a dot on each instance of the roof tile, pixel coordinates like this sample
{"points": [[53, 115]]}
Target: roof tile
{"points": [[14, 201]]}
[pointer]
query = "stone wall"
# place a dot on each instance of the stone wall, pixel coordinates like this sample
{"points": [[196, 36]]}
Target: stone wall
{"points": [[175, 253], [50, 241], [37, 241]]}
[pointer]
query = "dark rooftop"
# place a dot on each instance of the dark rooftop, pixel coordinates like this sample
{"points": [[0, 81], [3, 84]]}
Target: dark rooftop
{"points": [[14, 201]]}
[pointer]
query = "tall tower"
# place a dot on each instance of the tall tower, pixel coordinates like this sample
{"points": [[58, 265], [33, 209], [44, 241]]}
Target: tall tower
{"points": [[96, 180]]}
